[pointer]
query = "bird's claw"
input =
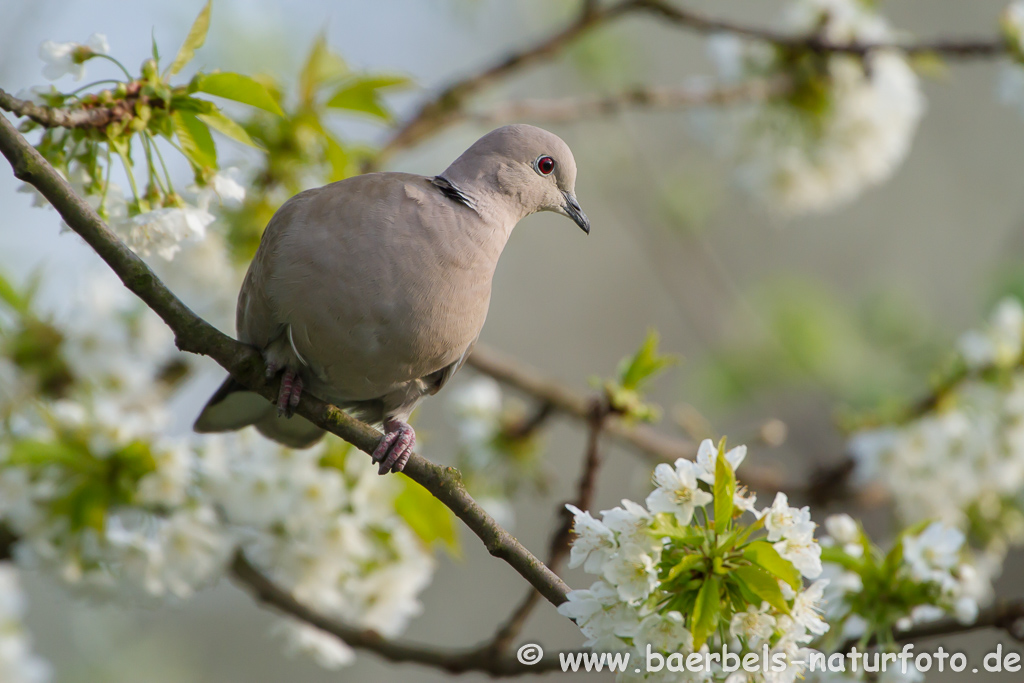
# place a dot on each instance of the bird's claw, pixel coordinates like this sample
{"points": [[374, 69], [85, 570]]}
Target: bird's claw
{"points": [[395, 447], [290, 393]]}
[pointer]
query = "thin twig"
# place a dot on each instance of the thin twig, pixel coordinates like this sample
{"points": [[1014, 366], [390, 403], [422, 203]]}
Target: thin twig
{"points": [[444, 108], [195, 335], [529, 426], [559, 545], [97, 116], [814, 42], [650, 98], [656, 446], [1007, 615]]}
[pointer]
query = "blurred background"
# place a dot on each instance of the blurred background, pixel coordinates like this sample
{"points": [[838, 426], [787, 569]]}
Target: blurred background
{"points": [[803, 320]]}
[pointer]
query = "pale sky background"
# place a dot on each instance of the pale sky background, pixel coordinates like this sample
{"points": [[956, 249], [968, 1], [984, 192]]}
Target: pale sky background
{"points": [[568, 304]]}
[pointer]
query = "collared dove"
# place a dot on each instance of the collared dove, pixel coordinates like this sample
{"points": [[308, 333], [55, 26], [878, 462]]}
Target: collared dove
{"points": [[371, 292]]}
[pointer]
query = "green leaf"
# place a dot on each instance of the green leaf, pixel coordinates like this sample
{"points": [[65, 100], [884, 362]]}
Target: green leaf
{"points": [[762, 584], [740, 536], [428, 517], [321, 66], [10, 296], [33, 453], [238, 88], [666, 525], [686, 564], [222, 124], [86, 506], [644, 364], [894, 558], [195, 139], [363, 95], [765, 556], [706, 611], [836, 555], [193, 41], [339, 159], [725, 489], [156, 51]]}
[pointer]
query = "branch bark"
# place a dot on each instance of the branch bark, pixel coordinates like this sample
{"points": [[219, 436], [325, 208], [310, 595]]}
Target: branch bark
{"points": [[445, 108], [654, 445], [86, 117], [651, 98], [695, 21], [559, 546], [195, 335], [1007, 615], [452, 661]]}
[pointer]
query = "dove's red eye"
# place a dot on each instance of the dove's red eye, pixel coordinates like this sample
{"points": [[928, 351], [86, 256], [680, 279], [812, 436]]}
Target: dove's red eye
{"points": [[545, 165]]}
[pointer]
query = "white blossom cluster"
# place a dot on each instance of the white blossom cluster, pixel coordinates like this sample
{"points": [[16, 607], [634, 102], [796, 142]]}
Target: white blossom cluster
{"points": [[493, 466], [104, 495], [18, 664], [160, 230], [163, 231], [932, 579], [104, 344], [106, 504], [329, 533], [629, 609], [963, 462], [846, 126]]}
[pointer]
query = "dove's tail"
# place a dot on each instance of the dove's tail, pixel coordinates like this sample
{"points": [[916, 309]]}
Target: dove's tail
{"points": [[232, 407]]}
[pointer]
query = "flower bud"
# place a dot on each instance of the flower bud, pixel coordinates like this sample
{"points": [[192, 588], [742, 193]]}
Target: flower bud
{"points": [[149, 70]]}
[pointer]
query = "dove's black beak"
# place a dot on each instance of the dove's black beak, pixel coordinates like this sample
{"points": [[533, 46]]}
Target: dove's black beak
{"points": [[575, 212]]}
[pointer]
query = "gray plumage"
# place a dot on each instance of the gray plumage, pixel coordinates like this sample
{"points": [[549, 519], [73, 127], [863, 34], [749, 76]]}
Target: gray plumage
{"points": [[373, 290]]}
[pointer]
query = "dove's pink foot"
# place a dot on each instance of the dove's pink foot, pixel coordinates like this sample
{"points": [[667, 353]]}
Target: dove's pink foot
{"points": [[290, 393], [395, 446]]}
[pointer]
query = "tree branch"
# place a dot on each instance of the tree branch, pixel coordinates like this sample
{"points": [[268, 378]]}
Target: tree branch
{"points": [[1004, 614], [648, 98], [97, 116], [269, 593], [559, 546], [452, 661], [444, 108], [958, 48], [195, 335], [656, 446]]}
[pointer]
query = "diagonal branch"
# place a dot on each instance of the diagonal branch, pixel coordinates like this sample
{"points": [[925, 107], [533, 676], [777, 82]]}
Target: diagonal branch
{"points": [[446, 107], [195, 335], [655, 445], [452, 661]]}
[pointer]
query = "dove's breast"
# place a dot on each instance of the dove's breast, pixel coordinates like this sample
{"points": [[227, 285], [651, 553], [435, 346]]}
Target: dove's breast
{"points": [[380, 278]]}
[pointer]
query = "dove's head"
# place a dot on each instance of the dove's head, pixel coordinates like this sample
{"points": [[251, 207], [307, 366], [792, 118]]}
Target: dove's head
{"points": [[528, 168]]}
